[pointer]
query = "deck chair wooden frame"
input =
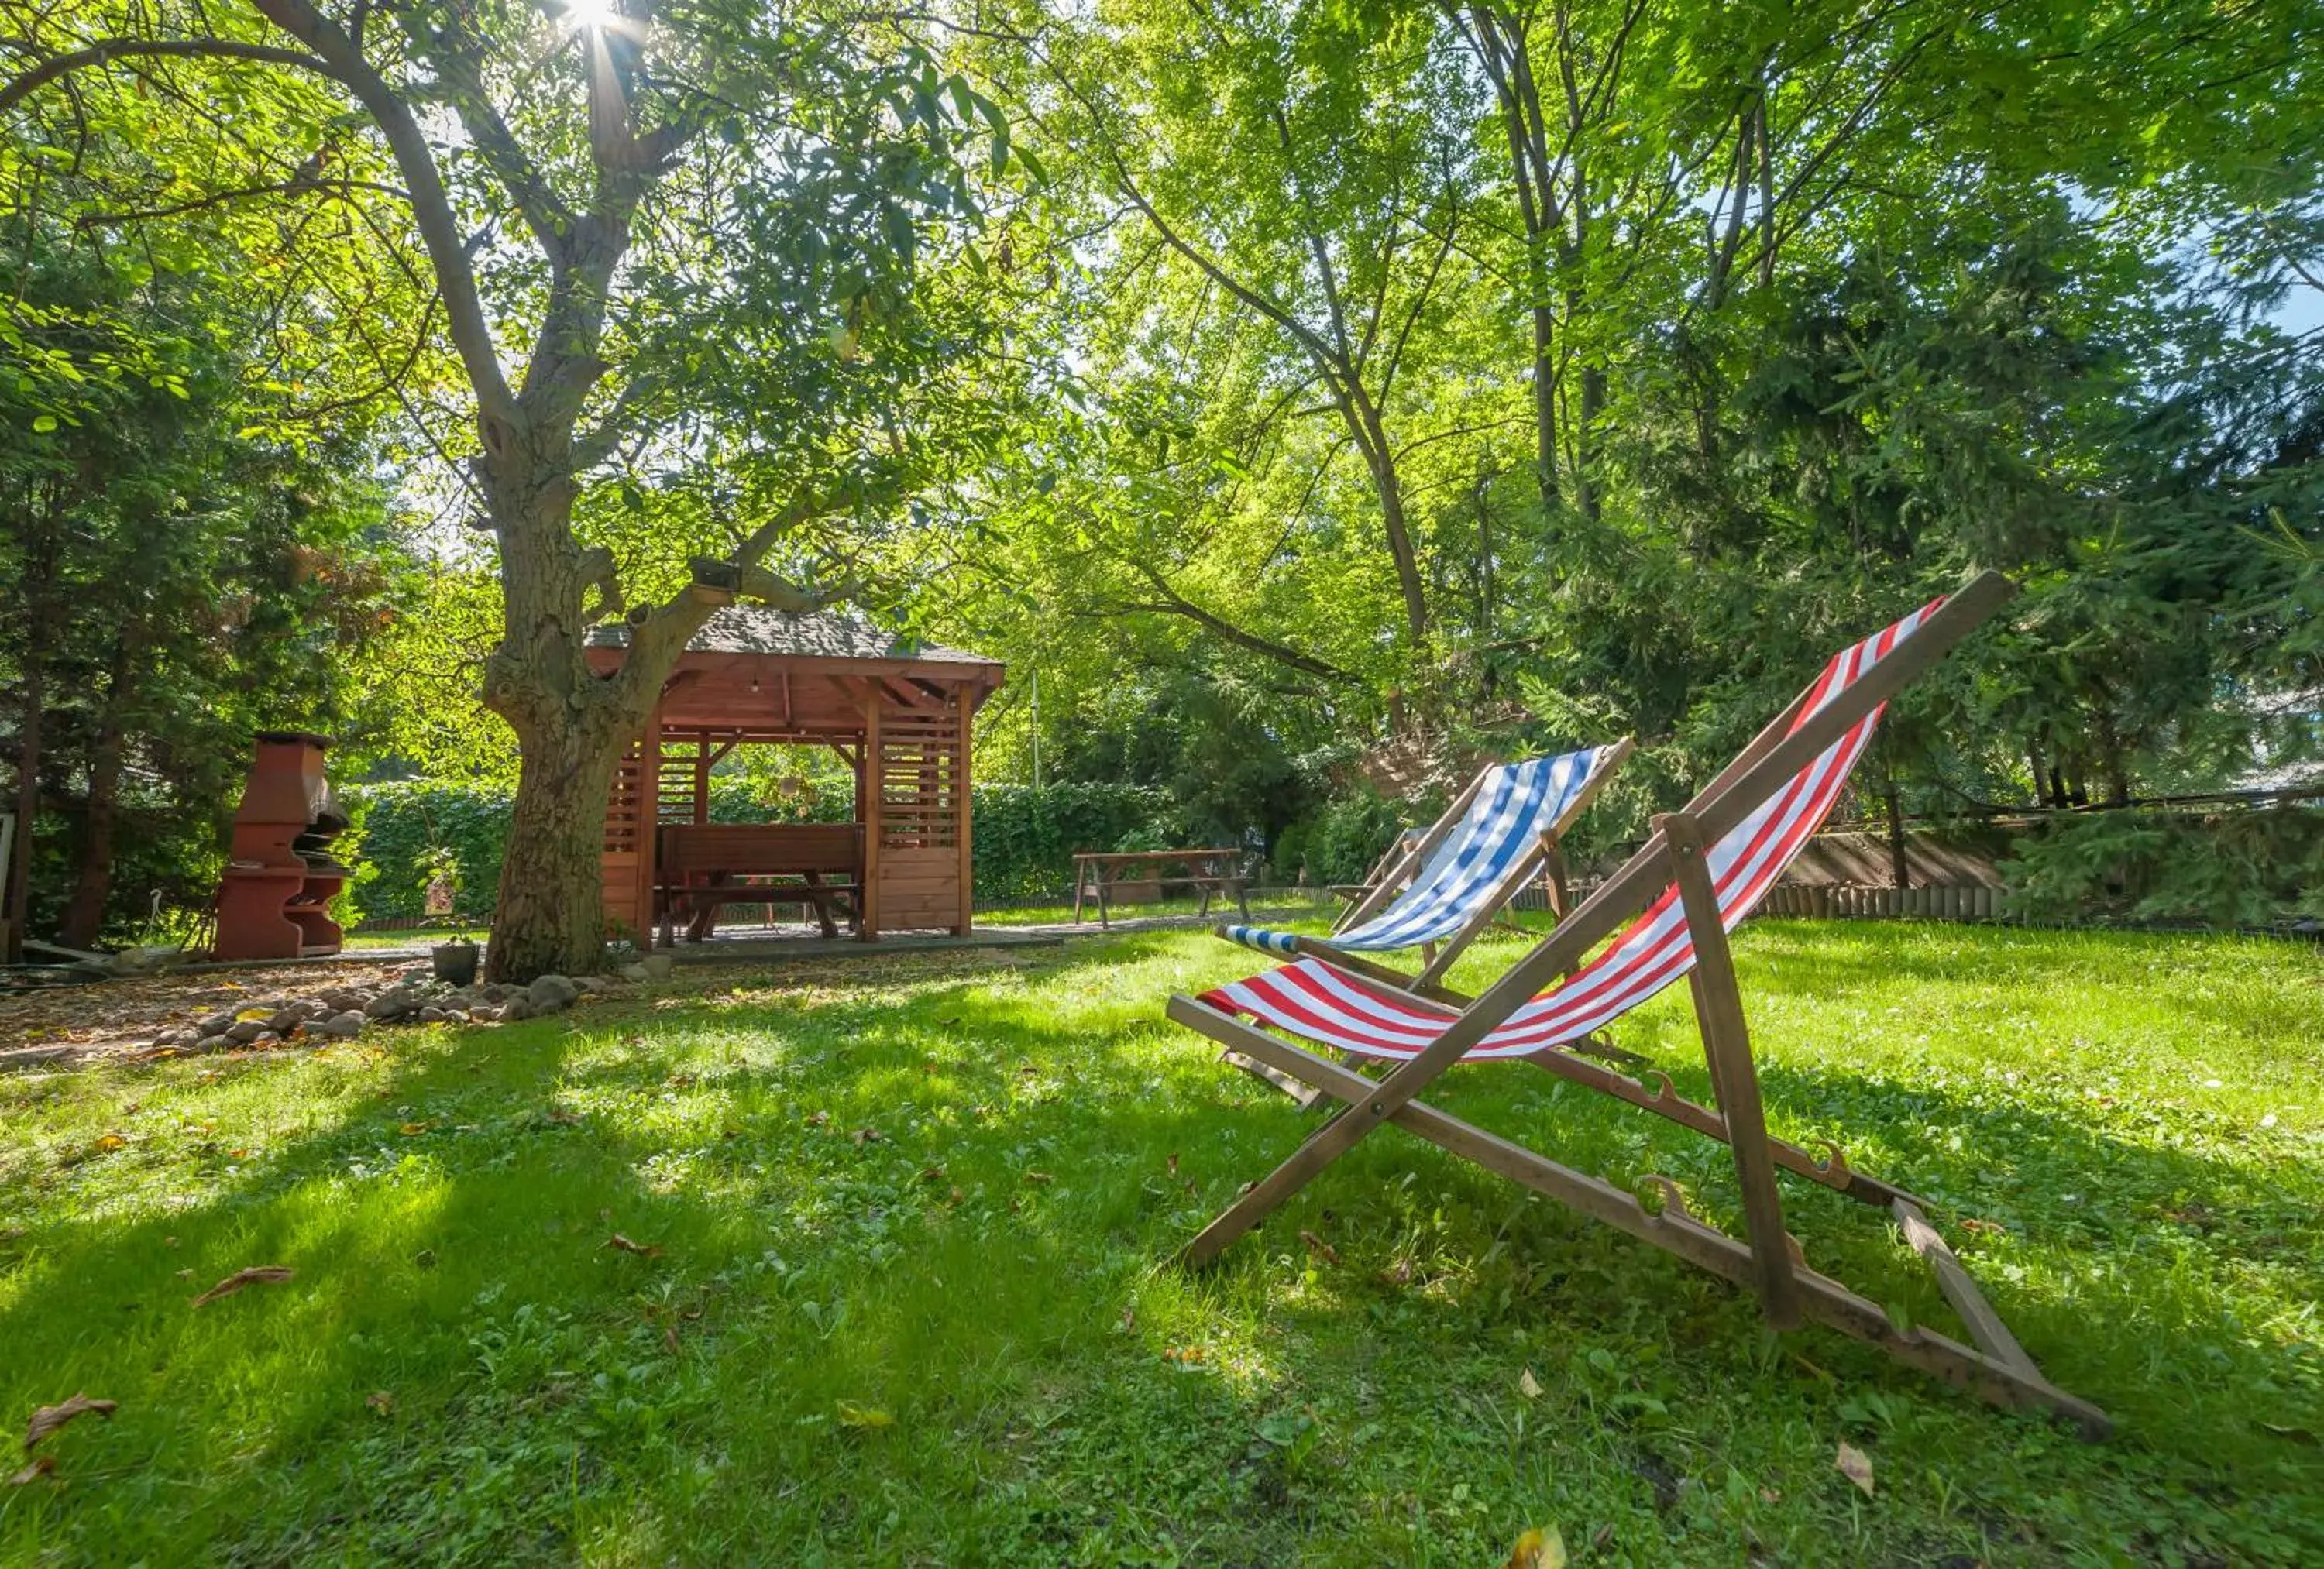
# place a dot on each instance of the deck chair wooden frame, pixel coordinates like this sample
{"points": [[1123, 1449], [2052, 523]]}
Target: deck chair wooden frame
{"points": [[1768, 1260], [1545, 857]]}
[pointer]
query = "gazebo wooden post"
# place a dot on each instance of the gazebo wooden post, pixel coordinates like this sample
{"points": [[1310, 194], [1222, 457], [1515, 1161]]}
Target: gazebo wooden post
{"points": [[869, 772], [649, 824], [961, 797]]}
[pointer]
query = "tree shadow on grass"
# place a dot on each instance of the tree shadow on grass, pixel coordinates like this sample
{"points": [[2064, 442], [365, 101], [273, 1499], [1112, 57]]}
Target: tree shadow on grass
{"points": [[898, 1293], [776, 1251]]}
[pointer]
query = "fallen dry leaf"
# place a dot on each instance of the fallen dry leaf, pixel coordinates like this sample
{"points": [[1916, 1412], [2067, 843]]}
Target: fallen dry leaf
{"points": [[255, 1275], [1540, 1548], [865, 1135], [1856, 1465], [623, 1244], [39, 1468], [1319, 1247], [412, 1130], [47, 1419], [1038, 1178], [1528, 1386], [382, 1402]]}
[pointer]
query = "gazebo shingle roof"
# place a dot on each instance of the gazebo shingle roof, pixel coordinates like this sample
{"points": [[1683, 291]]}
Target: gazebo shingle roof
{"points": [[809, 634]]}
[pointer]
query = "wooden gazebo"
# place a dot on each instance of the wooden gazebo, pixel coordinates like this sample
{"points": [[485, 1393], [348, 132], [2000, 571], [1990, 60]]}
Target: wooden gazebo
{"points": [[900, 716]]}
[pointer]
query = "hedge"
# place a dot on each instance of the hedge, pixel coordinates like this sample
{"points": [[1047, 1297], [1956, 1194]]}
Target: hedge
{"points": [[408, 831]]}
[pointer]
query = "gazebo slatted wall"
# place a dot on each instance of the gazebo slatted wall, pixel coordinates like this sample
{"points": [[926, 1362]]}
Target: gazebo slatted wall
{"points": [[621, 863], [923, 814], [901, 717]]}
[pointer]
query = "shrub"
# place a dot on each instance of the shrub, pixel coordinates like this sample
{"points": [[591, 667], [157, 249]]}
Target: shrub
{"points": [[2224, 868], [406, 831], [1340, 843], [1025, 838]]}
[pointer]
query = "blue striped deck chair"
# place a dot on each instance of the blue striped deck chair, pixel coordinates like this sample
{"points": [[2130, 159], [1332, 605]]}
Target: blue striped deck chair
{"points": [[1448, 883]]}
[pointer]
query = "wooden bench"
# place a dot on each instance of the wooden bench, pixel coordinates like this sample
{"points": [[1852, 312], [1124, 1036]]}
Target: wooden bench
{"points": [[1214, 871], [696, 869]]}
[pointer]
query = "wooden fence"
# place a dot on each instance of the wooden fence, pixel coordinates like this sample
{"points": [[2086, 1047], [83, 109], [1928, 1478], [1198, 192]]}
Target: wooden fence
{"points": [[1846, 900], [1823, 901]]}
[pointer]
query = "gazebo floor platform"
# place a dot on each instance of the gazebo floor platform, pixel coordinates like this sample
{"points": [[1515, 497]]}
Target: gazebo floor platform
{"points": [[760, 942], [744, 943]]}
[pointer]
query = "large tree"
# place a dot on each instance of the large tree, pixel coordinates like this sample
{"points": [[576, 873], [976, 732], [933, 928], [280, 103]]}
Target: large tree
{"points": [[659, 240], [1813, 306]]}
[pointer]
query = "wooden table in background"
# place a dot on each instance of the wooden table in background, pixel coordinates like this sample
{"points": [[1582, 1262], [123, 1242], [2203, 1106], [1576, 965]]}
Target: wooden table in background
{"points": [[1214, 871]]}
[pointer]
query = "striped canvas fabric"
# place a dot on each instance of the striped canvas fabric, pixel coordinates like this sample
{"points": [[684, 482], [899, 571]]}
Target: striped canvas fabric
{"points": [[1516, 803], [1309, 998]]}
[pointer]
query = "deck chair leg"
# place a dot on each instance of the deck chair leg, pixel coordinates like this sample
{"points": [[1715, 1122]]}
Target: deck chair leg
{"points": [[1380, 1103], [1985, 1326], [1727, 1046], [1304, 1095], [1674, 1231], [1665, 1101], [1555, 887]]}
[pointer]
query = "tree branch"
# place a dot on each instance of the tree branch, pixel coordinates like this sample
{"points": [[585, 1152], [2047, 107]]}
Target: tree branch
{"points": [[112, 49], [1178, 604], [431, 206], [460, 69]]}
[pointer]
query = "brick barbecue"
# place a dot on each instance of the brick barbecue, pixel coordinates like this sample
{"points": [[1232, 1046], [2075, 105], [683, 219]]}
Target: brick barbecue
{"points": [[280, 876]]}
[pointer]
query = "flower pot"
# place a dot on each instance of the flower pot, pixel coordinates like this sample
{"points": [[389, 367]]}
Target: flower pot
{"points": [[456, 962]]}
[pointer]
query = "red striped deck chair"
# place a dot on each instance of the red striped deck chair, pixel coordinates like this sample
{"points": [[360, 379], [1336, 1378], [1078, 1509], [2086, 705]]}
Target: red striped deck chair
{"points": [[1696, 878]]}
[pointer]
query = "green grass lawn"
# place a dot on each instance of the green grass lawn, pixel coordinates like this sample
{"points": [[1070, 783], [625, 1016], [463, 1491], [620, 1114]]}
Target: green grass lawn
{"points": [[900, 1302], [424, 937]]}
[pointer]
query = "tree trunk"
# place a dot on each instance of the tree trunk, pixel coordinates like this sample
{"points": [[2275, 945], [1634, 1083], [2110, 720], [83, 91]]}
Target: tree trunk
{"points": [[84, 915], [551, 916], [1382, 460], [1585, 446], [28, 803], [1545, 399], [571, 724], [40, 571]]}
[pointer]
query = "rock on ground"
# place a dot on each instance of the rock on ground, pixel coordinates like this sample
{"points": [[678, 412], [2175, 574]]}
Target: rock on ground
{"points": [[551, 994]]}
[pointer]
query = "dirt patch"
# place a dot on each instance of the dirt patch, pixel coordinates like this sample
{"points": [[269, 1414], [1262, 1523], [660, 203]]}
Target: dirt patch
{"points": [[112, 1017]]}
